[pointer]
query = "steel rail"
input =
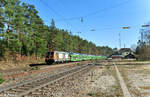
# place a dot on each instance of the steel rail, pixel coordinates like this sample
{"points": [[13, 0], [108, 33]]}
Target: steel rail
{"points": [[40, 82], [32, 80]]}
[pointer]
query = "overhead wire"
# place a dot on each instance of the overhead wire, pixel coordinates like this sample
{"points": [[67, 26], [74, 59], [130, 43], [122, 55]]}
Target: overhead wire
{"points": [[96, 12], [56, 13], [84, 16], [108, 8], [81, 18]]}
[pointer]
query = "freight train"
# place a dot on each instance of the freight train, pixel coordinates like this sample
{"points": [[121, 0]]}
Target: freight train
{"points": [[61, 57]]}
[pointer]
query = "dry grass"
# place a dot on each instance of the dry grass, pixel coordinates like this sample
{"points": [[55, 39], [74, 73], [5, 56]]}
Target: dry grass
{"points": [[123, 62], [112, 90], [137, 79], [145, 87], [1, 79], [8, 65]]}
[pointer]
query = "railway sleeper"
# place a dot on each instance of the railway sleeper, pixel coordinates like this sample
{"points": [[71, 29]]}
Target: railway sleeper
{"points": [[39, 83], [23, 88], [35, 95], [9, 93], [17, 90], [26, 87], [38, 93]]}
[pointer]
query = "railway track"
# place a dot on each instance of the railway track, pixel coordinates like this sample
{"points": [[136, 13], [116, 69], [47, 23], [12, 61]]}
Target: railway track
{"points": [[30, 86], [14, 73]]}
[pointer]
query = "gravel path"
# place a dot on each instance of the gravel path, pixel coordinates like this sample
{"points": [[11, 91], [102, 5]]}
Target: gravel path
{"points": [[124, 88]]}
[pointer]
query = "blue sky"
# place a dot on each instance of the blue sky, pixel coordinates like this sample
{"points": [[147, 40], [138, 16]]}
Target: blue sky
{"points": [[105, 16]]}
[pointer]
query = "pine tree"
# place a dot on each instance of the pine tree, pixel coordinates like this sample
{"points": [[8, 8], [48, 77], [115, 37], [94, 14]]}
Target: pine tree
{"points": [[23, 32], [52, 36]]}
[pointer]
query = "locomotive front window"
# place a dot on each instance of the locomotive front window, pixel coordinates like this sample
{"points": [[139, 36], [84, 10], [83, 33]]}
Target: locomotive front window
{"points": [[49, 54]]}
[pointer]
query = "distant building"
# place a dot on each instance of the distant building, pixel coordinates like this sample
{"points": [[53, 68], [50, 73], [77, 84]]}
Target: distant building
{"points": [[116, 56], [125, 51], [130, 56]]}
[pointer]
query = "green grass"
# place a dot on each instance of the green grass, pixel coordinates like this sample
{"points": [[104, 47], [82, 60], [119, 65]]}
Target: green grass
{"points": [[1, 79], [35, 68], [91, 94], [78, 64]]}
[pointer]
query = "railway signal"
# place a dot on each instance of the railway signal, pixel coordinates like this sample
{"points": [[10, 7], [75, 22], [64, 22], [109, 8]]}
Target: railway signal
{"points": [[82, 19], [145, 26], [93, 30], [126, 27]]}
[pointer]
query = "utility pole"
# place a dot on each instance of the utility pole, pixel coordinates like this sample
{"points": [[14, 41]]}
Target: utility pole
{"points": [[120, 35], [70, 41], [79, 42], [64, 41], [142, 30], [119, 40]]}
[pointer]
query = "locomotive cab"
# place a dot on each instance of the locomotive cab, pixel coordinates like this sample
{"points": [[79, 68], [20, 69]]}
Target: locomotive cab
{"points": [[57, 57], [49, 59]]}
